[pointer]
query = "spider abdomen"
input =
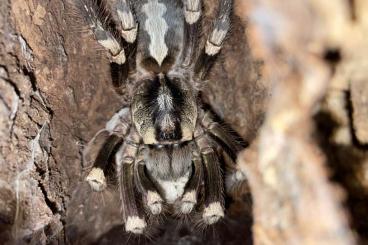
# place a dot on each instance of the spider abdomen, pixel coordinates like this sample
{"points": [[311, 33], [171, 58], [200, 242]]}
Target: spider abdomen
{"points": [[161, 28]]}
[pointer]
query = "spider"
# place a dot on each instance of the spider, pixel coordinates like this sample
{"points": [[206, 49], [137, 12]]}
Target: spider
{"points": [[167, 149]]}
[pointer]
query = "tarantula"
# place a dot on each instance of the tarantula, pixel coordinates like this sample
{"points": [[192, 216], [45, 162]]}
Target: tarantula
{"points": [[167, 148]]}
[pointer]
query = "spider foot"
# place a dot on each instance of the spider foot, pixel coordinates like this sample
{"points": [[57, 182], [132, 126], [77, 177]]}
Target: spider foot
{"points": [[135, 225], [188, 202], [213, 213], [154, 202], [96, 179]]}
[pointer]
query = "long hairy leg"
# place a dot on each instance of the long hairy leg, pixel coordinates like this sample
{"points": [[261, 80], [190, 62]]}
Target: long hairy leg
{"points": [[113, 133], [125, 158], [234, 177], [190, 196], [192, 13], [127, 23], [214, 199], [215, 39], [152, 198], [96, 19]]}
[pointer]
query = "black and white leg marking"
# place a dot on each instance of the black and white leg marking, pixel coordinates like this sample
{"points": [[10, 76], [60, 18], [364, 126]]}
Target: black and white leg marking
{"points": [[117, 128], [192, 13], [189, 198], [221, 28], [125, 159], [129, 26], [233, 148], [214, 200], [90, 12], [146, 186], [215, 39], [192, 10]]}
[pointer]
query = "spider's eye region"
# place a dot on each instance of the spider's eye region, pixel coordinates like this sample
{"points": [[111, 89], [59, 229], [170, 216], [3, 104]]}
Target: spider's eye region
{"points": [[162, 114]]}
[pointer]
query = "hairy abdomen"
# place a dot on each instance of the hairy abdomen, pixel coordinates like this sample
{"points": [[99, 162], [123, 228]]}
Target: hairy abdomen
{"points": [[161, 28]]}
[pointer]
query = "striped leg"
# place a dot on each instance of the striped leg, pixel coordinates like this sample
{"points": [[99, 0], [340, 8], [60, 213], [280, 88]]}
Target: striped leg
{"points": [[214, 199], [128, 24], [116, 129], [103, 35], [125, 159], [192, 13], [215, 39], [152, 198], [189, 199]]}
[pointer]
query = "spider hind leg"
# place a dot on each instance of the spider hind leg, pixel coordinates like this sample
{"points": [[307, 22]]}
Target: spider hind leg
{"points": [[214, 199]]}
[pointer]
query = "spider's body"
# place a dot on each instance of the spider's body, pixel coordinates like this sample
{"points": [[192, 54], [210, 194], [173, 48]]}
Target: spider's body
{"points": [[167, 148]]}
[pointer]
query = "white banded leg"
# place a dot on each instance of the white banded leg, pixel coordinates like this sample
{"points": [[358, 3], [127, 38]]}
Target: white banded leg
{"points": [[215, 39], [152, 198], [189, 198], [91, 14], [129, 26], [115, 130], [214, 199], [235, 177], [125, 158], [192, 13]]}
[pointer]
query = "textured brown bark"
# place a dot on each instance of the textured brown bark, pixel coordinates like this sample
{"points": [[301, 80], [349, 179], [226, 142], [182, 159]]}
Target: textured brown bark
{"points": [[306, 164]]}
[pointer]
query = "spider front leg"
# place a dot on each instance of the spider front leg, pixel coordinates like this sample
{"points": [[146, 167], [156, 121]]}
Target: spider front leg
{"points": [[128, 24], [214, 200], [192, 13], [92, 14], [125, 159], [189, 199], [116, 129], [215, 39], [152, 198]]}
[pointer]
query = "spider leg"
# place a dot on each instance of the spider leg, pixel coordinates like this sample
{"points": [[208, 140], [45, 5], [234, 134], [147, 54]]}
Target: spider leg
{"points": [[129, 26], [234, 176], [147, 188], [192, 13], [189, 199], [221, 134], [116, 128], [125, 159], [103, 35], [215, 39], [214, 199]]}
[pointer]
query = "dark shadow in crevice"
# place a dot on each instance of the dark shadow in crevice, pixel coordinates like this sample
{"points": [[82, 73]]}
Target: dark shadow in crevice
{"points": [[346, 163]]}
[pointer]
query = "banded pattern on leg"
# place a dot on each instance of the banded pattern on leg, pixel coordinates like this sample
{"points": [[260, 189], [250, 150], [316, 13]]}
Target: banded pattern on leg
{"points": [[146, 186], [221, 28], [96, 177], [189, 198], [91, 13], [214, 199], [215, 39], [117, 128], [192, 13], [128, 23], [125, 159], [234, 177]]}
